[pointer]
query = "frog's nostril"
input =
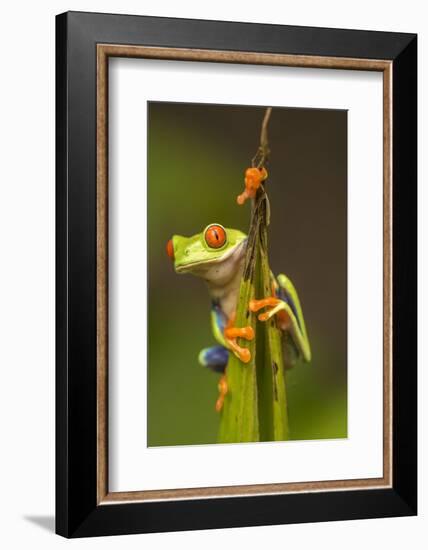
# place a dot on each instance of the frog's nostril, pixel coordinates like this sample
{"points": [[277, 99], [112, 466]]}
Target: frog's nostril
{"points": [[170, 249]]}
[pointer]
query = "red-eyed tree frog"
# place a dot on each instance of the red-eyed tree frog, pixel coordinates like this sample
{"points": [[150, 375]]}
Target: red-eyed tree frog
{"points": [[217, 256]]}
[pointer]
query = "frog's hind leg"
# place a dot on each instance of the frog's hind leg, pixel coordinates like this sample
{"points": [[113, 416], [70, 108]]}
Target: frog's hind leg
{"points": [[226, 333], [285, 304], [214, 358]]}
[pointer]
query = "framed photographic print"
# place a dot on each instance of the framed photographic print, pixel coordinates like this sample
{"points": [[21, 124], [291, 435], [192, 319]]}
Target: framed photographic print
{"points": [[236, 274]]}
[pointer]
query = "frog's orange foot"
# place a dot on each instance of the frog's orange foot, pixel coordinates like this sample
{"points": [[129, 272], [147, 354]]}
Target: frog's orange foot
{"points": [[222, 390], [275, 307], [231, 333], [253, 179], [270, 302]]}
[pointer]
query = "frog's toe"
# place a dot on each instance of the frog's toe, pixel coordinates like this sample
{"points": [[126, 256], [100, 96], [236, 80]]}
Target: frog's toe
{"points": [[214, 358]]}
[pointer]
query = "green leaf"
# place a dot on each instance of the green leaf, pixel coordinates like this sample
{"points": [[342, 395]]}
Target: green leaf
{"points": [[255, 407], [239, 417]]}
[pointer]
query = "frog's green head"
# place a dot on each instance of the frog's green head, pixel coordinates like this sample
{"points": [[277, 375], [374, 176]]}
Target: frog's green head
{"points": [[214, 254]]}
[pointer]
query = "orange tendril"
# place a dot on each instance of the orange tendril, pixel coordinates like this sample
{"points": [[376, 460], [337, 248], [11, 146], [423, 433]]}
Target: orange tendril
{"points": [[253, 180]]}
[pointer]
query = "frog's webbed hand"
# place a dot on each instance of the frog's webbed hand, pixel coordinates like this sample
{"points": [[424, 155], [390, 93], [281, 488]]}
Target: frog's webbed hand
{"points": [[226, 333], [231, 333], [216, 358], [286, 305]]}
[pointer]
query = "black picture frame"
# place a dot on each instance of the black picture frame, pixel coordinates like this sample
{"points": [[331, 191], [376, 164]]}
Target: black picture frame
{"points": [[78, 513]]}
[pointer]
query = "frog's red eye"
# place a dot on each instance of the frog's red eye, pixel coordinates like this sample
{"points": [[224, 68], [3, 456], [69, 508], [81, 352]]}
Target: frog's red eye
{"points": [[215, 236]]}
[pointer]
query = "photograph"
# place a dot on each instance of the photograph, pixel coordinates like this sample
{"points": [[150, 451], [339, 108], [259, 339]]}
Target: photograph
{"points": [[247, 273]]}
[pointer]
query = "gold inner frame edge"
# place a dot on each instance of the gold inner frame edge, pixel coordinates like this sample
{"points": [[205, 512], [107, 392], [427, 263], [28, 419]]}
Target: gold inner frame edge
{"points": [[104, 51]]}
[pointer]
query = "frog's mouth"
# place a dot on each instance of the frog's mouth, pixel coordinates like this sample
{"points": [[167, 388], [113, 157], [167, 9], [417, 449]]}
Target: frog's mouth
{"points": [[235, 254]]}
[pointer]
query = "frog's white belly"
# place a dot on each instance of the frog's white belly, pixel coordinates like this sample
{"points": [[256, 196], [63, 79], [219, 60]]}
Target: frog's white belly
{"points": [[225, 287], [227, 297]]}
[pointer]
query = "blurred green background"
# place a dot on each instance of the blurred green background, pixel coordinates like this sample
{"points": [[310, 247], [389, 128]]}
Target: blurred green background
{"points": [[197, 155]]}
